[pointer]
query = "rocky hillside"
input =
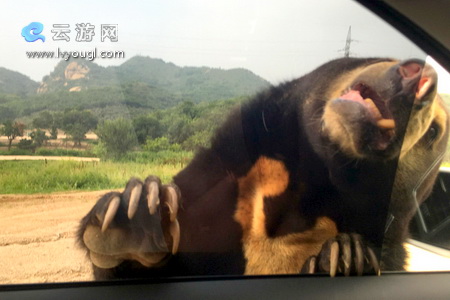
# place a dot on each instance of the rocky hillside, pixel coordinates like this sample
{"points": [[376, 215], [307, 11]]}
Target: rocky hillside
{"points": [[189, 83], [140, 85]]}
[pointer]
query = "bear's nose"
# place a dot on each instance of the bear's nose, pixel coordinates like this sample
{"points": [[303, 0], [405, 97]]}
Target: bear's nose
{"points": [[416, 73], [410, 69]]}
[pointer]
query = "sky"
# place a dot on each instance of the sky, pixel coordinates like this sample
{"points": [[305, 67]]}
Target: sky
{"points": [[277, 40]]}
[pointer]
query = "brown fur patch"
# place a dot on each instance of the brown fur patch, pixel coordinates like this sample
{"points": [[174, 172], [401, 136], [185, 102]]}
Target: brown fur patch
{"points": [[441, 119], [279, 255], [420, 122], [286, 254], [339, 134]]}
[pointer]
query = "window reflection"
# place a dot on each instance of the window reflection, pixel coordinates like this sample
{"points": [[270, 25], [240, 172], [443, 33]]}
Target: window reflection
{"points": [[56, 166]]}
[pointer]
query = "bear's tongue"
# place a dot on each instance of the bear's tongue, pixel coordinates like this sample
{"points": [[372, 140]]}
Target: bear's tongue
{"points": [[352, 95], [382, 123]]}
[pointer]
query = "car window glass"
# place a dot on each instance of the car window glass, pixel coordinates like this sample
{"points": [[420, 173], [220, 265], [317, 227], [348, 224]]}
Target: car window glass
{"points": [[429, 228], [95, 93]]}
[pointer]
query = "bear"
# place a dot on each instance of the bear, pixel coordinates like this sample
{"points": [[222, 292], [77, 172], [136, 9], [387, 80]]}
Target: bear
{"points": [[319, 174]]}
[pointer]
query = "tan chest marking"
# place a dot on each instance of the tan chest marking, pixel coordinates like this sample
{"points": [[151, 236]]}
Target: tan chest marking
{"points": [[267, 177], [280, 255]]}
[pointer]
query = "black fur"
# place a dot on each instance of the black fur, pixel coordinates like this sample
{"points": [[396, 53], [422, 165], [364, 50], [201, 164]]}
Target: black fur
{"points": [[279, 124]]}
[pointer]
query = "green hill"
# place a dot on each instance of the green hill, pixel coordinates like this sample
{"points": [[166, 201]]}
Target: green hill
{"points": [[194, 84], [138, 86], [15, 83]]}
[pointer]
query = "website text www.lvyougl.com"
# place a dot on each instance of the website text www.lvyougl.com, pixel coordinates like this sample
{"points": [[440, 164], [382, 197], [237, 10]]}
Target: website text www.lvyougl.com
{"points": [[66, 55]]}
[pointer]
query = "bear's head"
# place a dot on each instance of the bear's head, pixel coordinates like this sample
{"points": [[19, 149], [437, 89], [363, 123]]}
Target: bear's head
{"points": [[385, 110]]}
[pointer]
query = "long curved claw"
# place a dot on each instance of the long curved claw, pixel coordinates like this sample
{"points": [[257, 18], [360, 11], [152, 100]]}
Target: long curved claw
{"points": [[359, 255], [134, 200], [374, 261], [175, 233], [346, 255], [334, 258], [153, 197], [311, 265], [172, 203], [111, 211]]}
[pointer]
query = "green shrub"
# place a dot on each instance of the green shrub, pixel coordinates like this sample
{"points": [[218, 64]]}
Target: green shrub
{"points": [[16, 151], [26, 145], [117, 138], [64, 152], [161, 144]]}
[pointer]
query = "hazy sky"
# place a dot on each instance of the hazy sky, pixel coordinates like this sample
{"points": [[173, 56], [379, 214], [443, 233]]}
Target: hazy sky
{"points": [[275, 39]]}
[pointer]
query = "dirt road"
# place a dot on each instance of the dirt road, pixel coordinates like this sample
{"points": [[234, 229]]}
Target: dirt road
{"points": [[37, 237]]}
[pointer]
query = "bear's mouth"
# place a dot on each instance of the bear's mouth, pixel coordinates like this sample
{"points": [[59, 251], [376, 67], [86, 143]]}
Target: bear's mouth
{"points": [[370, 115], [376, 107]]}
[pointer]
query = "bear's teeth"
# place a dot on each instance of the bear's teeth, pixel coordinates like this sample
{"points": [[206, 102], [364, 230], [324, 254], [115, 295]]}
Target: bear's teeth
{"points": [[374, 109], [386, 123]]}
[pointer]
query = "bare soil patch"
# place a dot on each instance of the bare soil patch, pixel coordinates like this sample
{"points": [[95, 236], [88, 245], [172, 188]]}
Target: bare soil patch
{"points": [[37, 237]]}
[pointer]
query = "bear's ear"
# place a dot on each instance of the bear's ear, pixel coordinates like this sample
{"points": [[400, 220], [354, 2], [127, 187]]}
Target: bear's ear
{"points": [[427, 86]]}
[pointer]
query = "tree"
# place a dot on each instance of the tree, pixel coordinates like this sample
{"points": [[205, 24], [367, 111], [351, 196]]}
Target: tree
{"points": [[117, 137], [198, 139], [12, 130], [189, 109], [6, 112], [38, 138], [147, 127], [46, 120], [179, 129], [77, 123], [43, 121]]}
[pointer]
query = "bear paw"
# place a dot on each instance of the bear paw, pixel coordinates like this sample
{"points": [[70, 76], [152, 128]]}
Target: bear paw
{"points": [[139, 224], [346, 254]]}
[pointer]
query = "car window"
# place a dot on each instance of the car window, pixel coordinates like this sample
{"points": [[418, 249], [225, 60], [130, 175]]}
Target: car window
{"points": [[95, 93], [429, 227]]}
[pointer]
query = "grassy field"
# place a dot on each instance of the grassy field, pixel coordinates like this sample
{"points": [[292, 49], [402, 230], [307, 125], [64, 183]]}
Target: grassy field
{"points": [[28, 177]]}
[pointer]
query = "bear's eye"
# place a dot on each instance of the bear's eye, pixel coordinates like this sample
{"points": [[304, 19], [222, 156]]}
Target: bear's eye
{"points": [[432, 134]]}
